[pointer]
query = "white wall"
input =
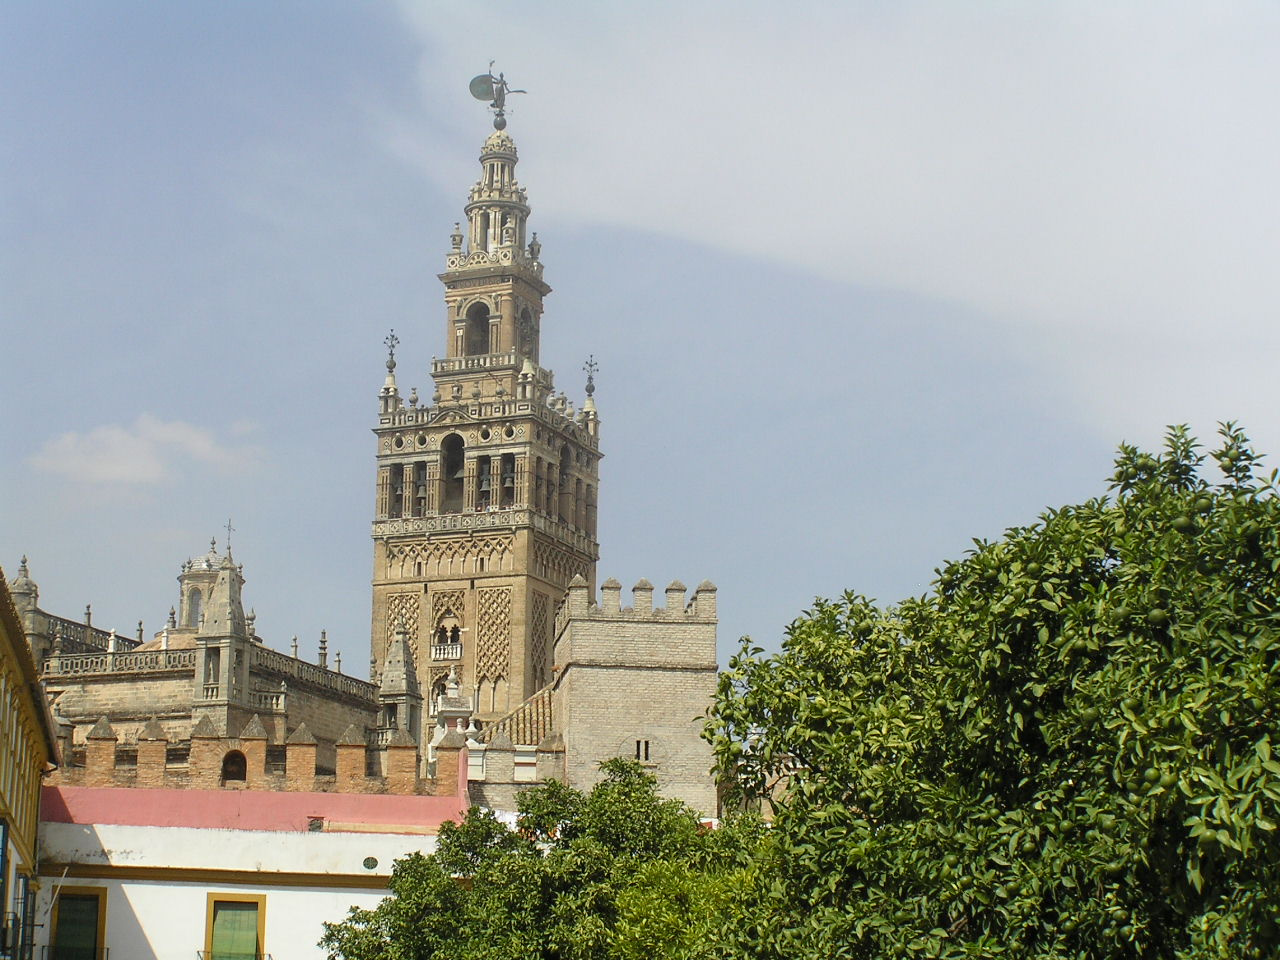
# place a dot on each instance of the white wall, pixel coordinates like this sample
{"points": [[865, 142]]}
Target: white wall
{"points": [[164, 918], [206, 849], [160, 920]]}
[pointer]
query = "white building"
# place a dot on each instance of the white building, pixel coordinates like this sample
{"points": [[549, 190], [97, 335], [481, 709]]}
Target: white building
{"points": [[218, 875]]}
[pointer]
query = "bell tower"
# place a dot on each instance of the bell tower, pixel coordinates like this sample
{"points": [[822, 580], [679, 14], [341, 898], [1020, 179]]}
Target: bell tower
{"points": [[486, 495]]}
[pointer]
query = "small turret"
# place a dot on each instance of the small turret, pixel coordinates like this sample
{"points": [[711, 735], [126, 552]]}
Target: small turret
{"points": [[389, 396], [224, 612], [26, 595], [195, 587], [399, 694]]}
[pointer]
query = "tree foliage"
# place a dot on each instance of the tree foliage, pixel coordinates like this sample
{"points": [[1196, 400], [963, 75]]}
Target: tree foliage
{"points": [[1064, 752], [616, 872]]}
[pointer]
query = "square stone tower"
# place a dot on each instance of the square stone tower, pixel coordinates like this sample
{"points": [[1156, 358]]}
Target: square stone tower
{"points": [[486, 495]]}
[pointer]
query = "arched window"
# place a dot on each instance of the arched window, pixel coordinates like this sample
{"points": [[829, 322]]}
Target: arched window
{"points": [[452, 473], [484, 483], [420, 488], [447, 631], [565, 505], [477, 337], [507, 480], [193, 607], [528, 342], [234, 767], [437, 691]]}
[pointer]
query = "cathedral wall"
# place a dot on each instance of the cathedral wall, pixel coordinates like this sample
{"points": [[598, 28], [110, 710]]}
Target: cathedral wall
{"points": [[635, 683], [621, 711], [127, 701], [327, 719]]}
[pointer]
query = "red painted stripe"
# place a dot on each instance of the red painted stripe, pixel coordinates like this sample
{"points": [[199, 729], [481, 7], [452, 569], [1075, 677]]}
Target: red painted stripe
{"points": [[240, 809]]}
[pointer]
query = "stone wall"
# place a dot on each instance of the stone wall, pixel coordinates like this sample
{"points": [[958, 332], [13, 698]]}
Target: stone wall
{"points": [[147, 762], [635, 683]]}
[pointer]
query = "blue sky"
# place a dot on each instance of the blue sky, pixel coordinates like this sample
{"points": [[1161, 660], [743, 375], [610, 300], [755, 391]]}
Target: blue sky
{"points": [[864, 280]]}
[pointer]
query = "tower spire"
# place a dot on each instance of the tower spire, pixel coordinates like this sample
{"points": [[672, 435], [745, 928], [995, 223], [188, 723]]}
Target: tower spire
{"points": [[389, 396], [489, 478]]}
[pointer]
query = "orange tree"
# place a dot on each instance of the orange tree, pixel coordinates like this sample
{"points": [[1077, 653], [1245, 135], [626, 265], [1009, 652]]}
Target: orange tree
{"points": [[1064, 752], [617, 871]]}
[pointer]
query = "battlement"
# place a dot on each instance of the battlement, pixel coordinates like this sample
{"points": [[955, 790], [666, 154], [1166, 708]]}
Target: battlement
{"points": [[577, 603], [678, 636], [251, 762]]}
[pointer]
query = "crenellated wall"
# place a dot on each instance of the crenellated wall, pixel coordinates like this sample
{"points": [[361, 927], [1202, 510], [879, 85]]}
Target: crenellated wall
{"points": [[635, 682], [146, 761]]}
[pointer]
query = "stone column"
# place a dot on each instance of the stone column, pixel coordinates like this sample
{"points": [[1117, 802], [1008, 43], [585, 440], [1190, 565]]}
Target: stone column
{"points": [[253, 744], [100, 755], [352, 751], [153, 748], [500, 759], [300, 760], [204, 764], [551, 758], [451, 758], [402, 764]]}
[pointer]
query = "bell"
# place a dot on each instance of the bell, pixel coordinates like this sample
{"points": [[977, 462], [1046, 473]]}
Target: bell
{"points": [[484, 483], [509, 478], [459, 473], [422, 491]]}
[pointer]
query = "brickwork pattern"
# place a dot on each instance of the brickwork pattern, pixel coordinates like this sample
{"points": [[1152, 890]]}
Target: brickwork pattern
{"points": [[404, 608], [555, 565], [540, 635], [493, 649], [643, 674], [451, 557], [107, 763]]}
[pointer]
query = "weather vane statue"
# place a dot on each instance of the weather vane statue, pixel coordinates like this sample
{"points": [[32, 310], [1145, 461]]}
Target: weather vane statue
{"points": [[494, 89]]}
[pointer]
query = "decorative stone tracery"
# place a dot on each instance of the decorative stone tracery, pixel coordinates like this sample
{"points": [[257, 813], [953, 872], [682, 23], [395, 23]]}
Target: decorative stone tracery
{"points": [[404, 608], [493, 646], [540, 638]]}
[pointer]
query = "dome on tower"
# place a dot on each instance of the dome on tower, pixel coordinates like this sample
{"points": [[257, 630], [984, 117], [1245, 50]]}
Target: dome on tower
{"points": [[210, 561], [499, 144], [22, 585]]}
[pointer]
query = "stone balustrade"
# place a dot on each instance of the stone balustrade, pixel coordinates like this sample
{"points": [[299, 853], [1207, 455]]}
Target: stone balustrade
{"points": [[146, 661], [290, 668]]}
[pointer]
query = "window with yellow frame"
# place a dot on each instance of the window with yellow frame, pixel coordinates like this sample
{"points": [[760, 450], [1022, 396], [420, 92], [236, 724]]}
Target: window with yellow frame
{"points": [[79, 923], [235, 926]]}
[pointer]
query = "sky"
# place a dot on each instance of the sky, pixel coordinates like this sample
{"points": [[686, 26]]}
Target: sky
{"points": [[865, 281]]}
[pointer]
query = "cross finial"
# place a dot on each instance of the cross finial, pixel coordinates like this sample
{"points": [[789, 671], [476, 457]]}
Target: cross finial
{"points": [[392, 341], [591, 367], [228, 528]]}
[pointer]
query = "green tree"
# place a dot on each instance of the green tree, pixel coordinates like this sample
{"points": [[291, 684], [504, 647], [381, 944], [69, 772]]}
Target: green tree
{"points": [[1064, 752], [613, 872]]}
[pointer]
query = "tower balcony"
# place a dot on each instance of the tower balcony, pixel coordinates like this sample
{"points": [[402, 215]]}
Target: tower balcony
{"points": [[484, 361]]}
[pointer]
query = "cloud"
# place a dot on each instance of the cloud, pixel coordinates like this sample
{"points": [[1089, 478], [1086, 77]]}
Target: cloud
{"points": [[1101, 175], [148, 451]]}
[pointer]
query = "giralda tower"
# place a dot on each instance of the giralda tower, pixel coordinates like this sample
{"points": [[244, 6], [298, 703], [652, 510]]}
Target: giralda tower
{"points": [[486, 496]]}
